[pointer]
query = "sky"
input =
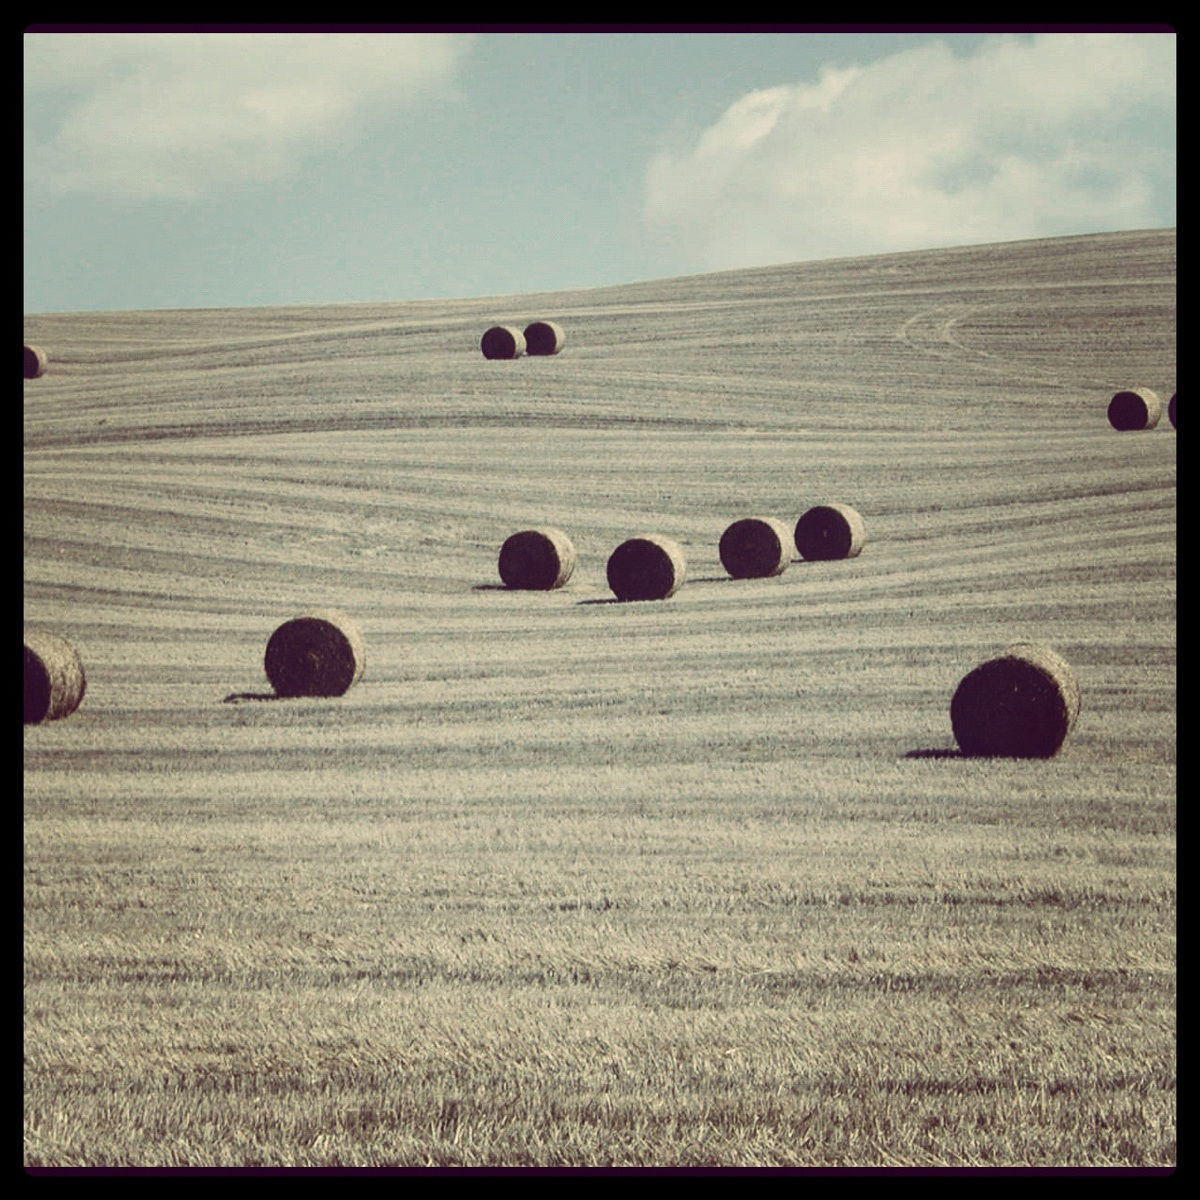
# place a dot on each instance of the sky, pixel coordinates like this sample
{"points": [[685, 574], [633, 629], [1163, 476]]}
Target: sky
{"points": [[288, 166]]}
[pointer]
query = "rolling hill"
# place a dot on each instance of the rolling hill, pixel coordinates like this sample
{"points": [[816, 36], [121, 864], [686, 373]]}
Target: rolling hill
{"points": [[731, 825]]}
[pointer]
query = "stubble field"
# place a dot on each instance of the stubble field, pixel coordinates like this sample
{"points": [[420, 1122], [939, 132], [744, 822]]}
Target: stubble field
{"points": [[564, 881]]}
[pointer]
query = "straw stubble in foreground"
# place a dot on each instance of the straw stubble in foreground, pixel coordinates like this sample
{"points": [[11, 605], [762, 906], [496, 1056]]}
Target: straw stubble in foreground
{"points": [[444, 985], [566, 880]]}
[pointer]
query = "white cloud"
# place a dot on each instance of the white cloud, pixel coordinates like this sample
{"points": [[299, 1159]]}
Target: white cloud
{"points": [[179, 115], [1028, 137]]}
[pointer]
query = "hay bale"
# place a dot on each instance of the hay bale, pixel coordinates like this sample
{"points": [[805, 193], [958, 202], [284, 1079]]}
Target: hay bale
{"points": [[544, 337], [54, 678], [830, 531], [1021, 704], [1171, 410], [647, 567], [503, 341], [1138, 408], [537, 559], [35, 362], [316, 654], [755, 547]]}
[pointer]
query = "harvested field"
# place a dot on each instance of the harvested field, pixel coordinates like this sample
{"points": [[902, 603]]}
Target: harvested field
{"points": [[564, 881]]}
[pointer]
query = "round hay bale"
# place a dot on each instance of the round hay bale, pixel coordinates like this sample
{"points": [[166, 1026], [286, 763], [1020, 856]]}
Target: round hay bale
{"points": [[830, 531], [35, 362], [316, 654], [503, 341], [1020, 704], [54, 678], [647, 567], [1138, 408], [1171, 411], [755, 547], [544, 337], [537, 559]]}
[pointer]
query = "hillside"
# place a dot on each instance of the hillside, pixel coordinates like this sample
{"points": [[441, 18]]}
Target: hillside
{"points": [[625, 798]]}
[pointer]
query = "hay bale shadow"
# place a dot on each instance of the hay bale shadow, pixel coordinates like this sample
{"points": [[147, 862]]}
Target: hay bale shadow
{"points": [[936, 753], [240, 697]]}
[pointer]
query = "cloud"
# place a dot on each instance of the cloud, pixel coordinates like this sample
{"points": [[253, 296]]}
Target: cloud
{"points": [[1027, 137], [181, 115]]}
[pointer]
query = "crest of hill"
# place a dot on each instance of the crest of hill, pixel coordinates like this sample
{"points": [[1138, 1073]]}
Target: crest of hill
{"points": [[1127, 255], [1132, 254], [922, 339]]}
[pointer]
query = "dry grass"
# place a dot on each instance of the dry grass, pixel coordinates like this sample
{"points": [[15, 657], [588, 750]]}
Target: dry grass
{"points": [[562, 880], [591, 984]]}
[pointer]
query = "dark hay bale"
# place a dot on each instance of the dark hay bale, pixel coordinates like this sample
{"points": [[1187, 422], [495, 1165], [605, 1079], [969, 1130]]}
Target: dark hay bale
{"points": [[54, 678], [502, 341], [1138, 408], [35, 362], [648, 567], [1020, 704], [830, 531], [755, 547], [537, 559], [316, 654], [1171, 410], [544, 337]]}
